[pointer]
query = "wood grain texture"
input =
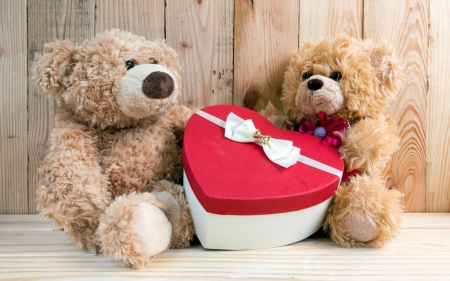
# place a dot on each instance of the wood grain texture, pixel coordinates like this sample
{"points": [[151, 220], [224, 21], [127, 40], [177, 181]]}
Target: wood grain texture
{"points": [[438, 117], [201, 31], [426, 221], [266, 35], [419, 253], [49, 20], [13, 107], [141, 17], [405, 26], [21, 223], [329, 17]]}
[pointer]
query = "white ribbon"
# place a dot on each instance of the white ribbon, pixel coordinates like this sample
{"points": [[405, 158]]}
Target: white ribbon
{"points": [[281, 152]]}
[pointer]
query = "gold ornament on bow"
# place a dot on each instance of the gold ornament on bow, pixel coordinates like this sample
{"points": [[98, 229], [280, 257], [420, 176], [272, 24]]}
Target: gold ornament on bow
{"points": [[264, 139]]}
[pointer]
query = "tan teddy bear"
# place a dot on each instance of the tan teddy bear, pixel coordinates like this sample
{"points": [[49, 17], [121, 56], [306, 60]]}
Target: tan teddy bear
{"points": [[342, 77], [111, 177]]}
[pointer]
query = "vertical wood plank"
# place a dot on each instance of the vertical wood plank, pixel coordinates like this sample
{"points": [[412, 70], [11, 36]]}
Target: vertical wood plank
{"points": [[49, 20], [13, 104], [329, 17], [201, 31], [404, 23], [438, 117], [141, 17], [266, 35]]}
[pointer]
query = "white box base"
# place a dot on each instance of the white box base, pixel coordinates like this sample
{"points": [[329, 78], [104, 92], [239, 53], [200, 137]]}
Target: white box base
{"points": [[232, 232]]}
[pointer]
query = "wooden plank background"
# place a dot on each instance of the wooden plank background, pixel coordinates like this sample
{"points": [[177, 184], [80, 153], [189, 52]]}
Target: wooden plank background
{"points": [[226, 49]]}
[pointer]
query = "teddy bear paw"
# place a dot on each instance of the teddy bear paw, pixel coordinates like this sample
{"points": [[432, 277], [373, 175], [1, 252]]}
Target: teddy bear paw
{"points": [[135, 235], [359, 229], [364, 213]]}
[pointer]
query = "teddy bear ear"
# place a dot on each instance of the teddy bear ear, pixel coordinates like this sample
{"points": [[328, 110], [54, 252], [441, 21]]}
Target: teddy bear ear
{"points": [[387, 68], [52, 69]]}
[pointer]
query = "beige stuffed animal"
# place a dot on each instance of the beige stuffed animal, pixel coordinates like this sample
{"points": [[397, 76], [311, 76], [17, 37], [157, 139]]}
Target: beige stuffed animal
{"points": [[342, 77], [111, 177]]}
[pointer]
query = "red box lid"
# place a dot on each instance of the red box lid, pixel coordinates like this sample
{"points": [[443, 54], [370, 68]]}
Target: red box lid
{"points": [[232, 178]]}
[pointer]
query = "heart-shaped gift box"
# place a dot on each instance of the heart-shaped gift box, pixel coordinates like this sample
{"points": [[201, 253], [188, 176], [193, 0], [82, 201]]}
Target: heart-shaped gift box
{"points": [[239, 198]]}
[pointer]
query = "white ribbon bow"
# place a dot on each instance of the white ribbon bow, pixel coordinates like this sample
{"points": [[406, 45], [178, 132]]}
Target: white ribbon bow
{"points": [[282, 152]]}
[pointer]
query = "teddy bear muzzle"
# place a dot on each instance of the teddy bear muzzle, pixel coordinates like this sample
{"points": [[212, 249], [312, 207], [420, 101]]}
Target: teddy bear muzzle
{"points": [[319, 93], [158, 85], [146, 89]]}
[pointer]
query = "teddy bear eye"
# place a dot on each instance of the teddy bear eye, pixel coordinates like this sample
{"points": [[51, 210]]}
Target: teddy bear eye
{"points": [[336, 76], [306, 76], [129, 64], [153, 61]]}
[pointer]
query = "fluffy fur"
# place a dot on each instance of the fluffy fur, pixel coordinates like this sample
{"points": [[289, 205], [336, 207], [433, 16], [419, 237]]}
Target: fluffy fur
{"points": [[354, 80], [113, 172]]}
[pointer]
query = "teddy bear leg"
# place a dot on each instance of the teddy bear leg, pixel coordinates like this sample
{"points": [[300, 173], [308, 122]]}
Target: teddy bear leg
{"points": [[75, 214], [135, 229], [177, 210], [364, 213]]}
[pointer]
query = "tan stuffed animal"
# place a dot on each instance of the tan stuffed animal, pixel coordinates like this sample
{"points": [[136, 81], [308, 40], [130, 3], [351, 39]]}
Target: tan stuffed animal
{"points": [[112, 174], [354, 80]]}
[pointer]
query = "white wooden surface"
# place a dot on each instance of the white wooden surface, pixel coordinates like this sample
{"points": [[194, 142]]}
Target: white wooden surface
{"points": [[30, 249]]}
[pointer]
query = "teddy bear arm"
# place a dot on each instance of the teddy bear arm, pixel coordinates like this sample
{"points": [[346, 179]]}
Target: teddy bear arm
{"points": [[178, 117], [73, 190], [369, 144]]}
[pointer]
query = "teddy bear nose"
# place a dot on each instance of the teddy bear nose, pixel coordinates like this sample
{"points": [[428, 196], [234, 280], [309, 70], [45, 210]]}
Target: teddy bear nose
{"points": [[315, 84], [158, 85]]}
